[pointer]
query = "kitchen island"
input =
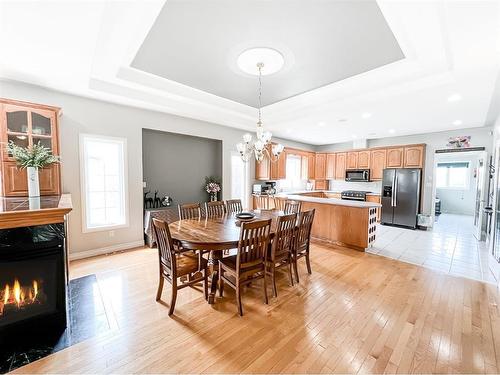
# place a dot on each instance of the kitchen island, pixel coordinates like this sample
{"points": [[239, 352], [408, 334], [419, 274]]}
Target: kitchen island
{"points": [[344, 222]]}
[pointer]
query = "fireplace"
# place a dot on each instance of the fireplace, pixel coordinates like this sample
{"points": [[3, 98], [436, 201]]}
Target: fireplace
{"points": [[32, 283]]}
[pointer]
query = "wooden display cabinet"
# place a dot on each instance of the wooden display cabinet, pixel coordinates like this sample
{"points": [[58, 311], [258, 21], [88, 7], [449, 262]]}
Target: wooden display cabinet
{"points": [[27, 124]]}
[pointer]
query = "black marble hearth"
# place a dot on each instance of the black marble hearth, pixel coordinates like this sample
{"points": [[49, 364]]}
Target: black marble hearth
{"points": [[86, 318]]}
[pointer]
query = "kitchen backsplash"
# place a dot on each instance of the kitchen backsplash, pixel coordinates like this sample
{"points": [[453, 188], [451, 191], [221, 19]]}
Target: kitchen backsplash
{"points": [[340, 185]]}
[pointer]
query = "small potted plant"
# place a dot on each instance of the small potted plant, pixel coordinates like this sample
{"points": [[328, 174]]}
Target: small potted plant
{"points": [[212, 187], [32, 159]]}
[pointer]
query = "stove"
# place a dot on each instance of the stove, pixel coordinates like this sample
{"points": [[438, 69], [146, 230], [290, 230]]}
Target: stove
{"points": [[354, 195]]}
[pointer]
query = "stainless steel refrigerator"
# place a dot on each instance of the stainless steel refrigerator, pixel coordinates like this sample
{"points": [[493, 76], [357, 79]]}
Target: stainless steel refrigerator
{"points": [[400, 197]]}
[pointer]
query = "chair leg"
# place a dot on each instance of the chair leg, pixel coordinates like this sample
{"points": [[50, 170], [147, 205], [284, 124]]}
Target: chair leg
{"points": [[308, 263], [290, 271], [266, 301], [221, 282], [238, 298], [205, 283], [160, 287], [174, 296], [295, 270], [273, 280]]}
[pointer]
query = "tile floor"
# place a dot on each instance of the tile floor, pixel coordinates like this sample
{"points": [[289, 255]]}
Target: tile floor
{"points": [[450, 247]]}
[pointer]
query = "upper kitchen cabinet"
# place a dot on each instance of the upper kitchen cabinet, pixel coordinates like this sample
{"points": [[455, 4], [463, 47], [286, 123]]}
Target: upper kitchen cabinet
{"points": [[311, 165], [27, 124], [278, 168], [414, 156], [330, 166], [352, 160], [395, 157], [364, 159], [340, 164], [320, 167], [263, 169], [267, 169], [377, 164]]}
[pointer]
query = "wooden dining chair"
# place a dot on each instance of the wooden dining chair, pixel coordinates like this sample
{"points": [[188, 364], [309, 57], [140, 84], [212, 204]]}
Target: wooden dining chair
{"points": [[279, 203], [174, 264], [189, 211], [234, 206], [215, 209], [262, 202], [281, 248], [303, 240], [292, 207], [249, 263]]}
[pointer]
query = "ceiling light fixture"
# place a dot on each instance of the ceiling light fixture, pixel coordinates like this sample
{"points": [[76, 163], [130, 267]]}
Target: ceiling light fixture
{"points": [[321, 124], [262, 145], [366, 115], [272, 59], [392, 131], [354, 135], [457, 122], [342, 119], [454, 98]]}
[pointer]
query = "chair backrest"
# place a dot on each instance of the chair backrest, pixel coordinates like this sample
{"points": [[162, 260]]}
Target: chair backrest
{"points": [[292, 207], [234, 205], [279, 203], [283, 241], [303, 234], [253, 243], [215, 209], [166, 249], [262, 202], [189, 211]]}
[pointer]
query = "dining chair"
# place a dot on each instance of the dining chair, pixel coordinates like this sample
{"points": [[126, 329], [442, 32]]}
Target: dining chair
{"points": [[234, 206], [215, 209], [279, 203], [262, 202], [189, 211], [303, 240], [292, 207], [281, 248], [175, 264], [249, 263]]}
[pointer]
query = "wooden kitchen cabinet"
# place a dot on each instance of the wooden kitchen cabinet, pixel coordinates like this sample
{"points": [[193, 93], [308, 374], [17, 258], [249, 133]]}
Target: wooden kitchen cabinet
{"points": [[321, 184], [352, 160], [414, 156], [364, 159], [263, 169], [395, 157], [330, 166], [320, 167], [311, 166], [278, 168], [376, 199], [340, 164], [377, 164], [27, 124]]}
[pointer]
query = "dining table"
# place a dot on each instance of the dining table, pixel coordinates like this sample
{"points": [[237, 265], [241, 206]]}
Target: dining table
{"points": [[215, 235]]}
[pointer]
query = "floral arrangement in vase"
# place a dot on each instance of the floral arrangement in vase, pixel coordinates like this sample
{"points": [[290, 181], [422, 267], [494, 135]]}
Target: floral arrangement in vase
{"points": [[462, 141], [212, 187], [32, 158]]}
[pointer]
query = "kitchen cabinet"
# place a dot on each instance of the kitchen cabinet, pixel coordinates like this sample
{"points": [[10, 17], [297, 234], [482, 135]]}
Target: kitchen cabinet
{"points": [[375, 199], [395, 157], [278, 168], [414, 156], [263, 169], [364, 159], [333, 195], [377, 164], [311, 166], [340, 163], [320, 167], [266, 169], [352, 160], [330, 166], [321, 184], [27, 124]]}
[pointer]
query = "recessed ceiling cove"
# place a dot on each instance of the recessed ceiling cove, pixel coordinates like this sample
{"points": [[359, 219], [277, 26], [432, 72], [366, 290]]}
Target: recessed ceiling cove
{"points": [[197, 43]]}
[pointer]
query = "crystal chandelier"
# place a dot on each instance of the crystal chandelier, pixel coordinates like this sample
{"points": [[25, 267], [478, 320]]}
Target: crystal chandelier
{"points": [[262, 145]]}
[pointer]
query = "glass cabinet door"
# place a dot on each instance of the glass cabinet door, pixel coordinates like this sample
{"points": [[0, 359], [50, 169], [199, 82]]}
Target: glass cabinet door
{"points": [[40, 125], [17, 122]]}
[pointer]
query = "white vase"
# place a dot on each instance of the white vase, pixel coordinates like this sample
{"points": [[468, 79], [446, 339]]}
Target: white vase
{"points": [[33, 184]]}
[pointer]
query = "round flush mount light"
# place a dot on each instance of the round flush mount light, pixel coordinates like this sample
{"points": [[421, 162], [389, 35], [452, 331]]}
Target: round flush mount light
{"points": [[271, 59], [457, 122]]}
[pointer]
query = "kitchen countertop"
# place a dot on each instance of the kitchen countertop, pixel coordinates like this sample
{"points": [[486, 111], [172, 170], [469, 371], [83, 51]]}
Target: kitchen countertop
{"points": [[333, 201]]}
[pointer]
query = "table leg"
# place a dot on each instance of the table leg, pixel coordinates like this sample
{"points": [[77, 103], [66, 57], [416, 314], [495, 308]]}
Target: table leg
{"points": [[214, 277]]}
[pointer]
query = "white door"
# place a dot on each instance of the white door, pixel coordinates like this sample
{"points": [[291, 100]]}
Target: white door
{"points": [[480, 198]]}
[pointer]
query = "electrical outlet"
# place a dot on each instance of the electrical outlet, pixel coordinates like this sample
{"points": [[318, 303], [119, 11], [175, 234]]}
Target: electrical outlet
{"points": [[144, 185]]}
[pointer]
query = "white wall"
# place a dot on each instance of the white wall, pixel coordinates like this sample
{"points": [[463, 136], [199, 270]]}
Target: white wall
{"points": [[82, 115], [480, 137], [459, 201]]}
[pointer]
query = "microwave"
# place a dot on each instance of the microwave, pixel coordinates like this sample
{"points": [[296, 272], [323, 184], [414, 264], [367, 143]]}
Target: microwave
{"points": [[357, 175]]}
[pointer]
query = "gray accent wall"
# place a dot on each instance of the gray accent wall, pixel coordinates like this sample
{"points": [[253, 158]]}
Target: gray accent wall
{"points": [[176, 164]]}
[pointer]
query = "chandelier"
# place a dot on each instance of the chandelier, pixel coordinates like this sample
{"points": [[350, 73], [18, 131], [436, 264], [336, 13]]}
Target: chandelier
{"points": [[261, 147]]}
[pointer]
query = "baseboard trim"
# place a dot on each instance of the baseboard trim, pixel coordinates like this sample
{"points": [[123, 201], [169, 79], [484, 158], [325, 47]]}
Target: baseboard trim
{"points": [[105, 250]]}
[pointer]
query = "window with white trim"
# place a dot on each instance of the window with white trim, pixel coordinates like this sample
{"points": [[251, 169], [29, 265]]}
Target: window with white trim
{"points": [[294, 178], [103, 176], [453, 175]]}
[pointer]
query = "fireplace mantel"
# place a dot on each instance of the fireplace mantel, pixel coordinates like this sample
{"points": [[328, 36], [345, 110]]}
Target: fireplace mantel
{"points": [[25, 212]]}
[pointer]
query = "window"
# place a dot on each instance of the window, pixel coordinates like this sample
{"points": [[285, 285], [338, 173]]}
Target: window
{"points": [[453, 175], [103, 177], [293, 173], [239, 185]]}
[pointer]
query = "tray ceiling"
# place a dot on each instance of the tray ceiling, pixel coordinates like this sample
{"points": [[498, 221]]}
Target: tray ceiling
{"points": [[196, 43]]}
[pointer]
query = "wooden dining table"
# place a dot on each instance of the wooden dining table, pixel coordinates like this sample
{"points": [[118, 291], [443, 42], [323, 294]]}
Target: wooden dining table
{"points": [[215, 235]]}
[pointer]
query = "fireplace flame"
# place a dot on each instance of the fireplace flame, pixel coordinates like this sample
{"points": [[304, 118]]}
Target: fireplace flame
{"points": [[18, 296]]}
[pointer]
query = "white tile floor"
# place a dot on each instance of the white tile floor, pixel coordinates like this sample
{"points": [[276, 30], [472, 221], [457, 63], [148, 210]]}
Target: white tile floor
{"points": [[450, 247]]}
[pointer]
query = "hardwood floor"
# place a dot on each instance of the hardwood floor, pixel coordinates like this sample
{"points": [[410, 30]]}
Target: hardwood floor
{"points": [[357, 312]]}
